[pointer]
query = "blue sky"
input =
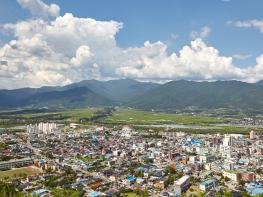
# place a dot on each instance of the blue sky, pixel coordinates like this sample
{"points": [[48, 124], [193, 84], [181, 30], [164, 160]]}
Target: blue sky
{"points": [[170, 22], [158, 20]]}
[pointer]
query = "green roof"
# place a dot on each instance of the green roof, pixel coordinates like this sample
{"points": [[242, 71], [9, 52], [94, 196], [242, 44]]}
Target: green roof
{"points": [[207, 182], [207, 172]]}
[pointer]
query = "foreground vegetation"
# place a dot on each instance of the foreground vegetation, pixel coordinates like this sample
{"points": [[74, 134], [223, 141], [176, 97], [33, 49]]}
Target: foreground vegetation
{"points": [[9, 190]]}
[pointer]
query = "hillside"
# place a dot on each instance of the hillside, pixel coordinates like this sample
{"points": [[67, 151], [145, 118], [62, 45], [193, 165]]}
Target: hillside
{"points": [[71, 98], [126, 92], [219, 94], [82, 94]]}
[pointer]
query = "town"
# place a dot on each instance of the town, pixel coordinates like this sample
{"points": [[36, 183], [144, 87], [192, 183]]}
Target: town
{"points": [[141, 98], [47, 160]]}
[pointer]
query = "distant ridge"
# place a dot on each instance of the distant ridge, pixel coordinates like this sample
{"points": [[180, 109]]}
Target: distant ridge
{"points": [[127, 92], [218, 94]]}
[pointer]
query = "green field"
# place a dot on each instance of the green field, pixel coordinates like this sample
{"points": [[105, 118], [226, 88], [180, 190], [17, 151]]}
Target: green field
{"points": [[19, 172], [119, 116], [122, 116], [133, 116], [130, 194], [17, 118], [70, 115]]}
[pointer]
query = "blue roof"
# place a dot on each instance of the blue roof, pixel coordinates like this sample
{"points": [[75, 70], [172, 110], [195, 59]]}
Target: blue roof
{"points": [[94, 194], [40, 192], [243, 160], [253, 185], [196, 141], [255, 191], [131, 178]]}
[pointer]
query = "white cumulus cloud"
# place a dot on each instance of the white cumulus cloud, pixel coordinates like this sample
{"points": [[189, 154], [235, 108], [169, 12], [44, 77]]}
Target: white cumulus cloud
{"points": [[39, 8]]}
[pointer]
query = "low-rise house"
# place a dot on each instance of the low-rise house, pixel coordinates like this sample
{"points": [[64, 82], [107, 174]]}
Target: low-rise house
{"points": [[254, 188], [41, 193], [161, 184], [248, 176], [207, 184]]}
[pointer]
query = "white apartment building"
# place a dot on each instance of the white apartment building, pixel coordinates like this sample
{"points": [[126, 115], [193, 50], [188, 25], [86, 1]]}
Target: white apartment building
{"points": [[181, 185], [234, 176], [47, 127]]}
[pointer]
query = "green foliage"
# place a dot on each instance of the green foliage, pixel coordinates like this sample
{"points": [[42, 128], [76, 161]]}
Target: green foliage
{"points": [[200, 95], [259, 171], [139, 173], [3, 146], [67, 192], [175, 95], [200, 194], [5, 158], [9, 190], [227, 179], [134, 193], [170, 170]]}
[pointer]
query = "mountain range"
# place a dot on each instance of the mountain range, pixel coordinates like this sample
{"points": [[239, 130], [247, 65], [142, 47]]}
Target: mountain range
{"points": [[145, 95]]}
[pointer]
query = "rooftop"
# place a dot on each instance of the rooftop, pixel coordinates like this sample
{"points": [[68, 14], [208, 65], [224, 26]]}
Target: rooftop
{"points": [[181, 180], [207, 182]]}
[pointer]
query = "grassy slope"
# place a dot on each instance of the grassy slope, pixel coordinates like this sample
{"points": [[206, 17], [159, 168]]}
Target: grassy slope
{"points": [[18, 172]]}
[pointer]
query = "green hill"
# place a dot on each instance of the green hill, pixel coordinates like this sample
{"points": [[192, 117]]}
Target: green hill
{"points": [[126, 92]]}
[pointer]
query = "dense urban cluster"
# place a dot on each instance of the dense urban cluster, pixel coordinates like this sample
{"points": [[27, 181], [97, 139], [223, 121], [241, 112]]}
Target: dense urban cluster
{"points": [[122, 161]]}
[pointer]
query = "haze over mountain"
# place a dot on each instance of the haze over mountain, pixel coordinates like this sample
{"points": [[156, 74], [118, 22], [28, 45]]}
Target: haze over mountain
{"points": [[127, 92]]}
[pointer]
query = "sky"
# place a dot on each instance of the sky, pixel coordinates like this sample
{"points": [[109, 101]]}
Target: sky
{"points": [[57, 42]]}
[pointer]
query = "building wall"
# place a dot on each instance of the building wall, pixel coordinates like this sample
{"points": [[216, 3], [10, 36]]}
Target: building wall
{"points": [[15, 163]]}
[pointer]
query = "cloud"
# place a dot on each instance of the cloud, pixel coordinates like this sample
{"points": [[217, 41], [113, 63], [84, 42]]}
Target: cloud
{"points": [[174, 36], [195, 62], [64, 50], [241, 57], [258, 24], [67, 49], [83, 54], [204, 32], [39, 9]]}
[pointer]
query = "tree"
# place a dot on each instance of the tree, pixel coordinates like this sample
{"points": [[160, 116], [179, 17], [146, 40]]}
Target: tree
{"points": [[67, 192], [242, 183], [139, 173], [226, 179], [8, 190], [259, 171], [200, 194], [170, 170]]}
